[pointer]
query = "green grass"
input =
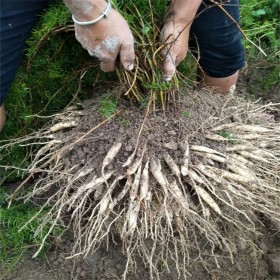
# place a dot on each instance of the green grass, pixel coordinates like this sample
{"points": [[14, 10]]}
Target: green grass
{"points": [[45, 83], [48, 79], [260, 22], [107, 105], [125, 123], [228, 135], [186, 114], [14, 241]]}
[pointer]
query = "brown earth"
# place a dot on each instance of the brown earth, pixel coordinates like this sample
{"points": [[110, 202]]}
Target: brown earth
{"points": [[251, 261], [249, 264]]}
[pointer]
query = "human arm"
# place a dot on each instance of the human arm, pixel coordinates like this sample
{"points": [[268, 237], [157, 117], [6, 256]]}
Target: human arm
{"points": [[175, 34], [107, 38]]}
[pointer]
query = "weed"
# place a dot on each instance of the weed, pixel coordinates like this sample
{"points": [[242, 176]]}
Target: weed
{"points": [[55, 71], [260, 22], [162, 266], [107, 105], [146, 129], [197, 98], [144, 102], [124, 122], [228, 135], [16, 239], [273, 79], [186, 114]]}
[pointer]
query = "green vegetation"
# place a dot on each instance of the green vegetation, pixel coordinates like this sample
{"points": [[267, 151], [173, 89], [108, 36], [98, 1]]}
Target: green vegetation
{"points": [[260, 22], [107, 105], [16, 239], [46, 82], [186, 114], [228, 135], [145, 19], [38, 88], [56, 71]]}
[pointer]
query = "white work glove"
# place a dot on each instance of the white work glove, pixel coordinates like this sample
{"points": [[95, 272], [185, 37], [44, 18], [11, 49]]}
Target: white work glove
{"points": [[106, 39]]}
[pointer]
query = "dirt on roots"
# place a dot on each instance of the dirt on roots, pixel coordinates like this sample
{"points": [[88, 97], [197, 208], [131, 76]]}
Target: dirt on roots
{"points": [[180, 193]]}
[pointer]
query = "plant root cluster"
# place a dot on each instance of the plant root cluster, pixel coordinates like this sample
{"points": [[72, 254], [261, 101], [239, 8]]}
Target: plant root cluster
{"points": [[163, 207]]}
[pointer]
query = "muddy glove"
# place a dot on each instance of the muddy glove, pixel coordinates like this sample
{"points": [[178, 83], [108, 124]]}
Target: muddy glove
{"points": [[175, 34], [105, 39]]}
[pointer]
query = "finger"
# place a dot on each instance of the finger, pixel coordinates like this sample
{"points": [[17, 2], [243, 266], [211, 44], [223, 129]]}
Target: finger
{"points": [[181, 55], [127, 56], [107, 63], [169, 66]]}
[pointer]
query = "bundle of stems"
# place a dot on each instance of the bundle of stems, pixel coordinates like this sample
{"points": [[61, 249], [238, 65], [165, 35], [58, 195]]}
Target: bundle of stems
{"points": [[145, 20]]}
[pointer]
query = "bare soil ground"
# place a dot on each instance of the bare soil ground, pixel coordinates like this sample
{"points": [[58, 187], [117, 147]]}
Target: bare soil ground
{"points": [[258, 260], [104, 265]]}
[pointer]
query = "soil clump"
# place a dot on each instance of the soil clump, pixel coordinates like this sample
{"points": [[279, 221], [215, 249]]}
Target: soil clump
{"points": [[208, 217]]}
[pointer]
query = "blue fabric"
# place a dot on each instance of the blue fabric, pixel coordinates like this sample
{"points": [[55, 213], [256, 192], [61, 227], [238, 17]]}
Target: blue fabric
{"points": [[17, 19], [219, 40]]}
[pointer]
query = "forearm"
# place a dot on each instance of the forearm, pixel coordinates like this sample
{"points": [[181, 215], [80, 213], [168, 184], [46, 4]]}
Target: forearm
{"points": [[184, 10], [86, 9]]}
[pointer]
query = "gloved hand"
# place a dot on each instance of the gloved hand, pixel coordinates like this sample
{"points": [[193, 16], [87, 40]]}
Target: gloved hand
{"points": [[106, 39]]}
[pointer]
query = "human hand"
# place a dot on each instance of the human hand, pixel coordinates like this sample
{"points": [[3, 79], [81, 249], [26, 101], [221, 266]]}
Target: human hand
{"points": [[106, 39], [175, 36]]}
